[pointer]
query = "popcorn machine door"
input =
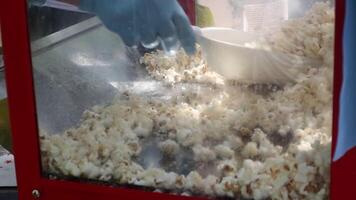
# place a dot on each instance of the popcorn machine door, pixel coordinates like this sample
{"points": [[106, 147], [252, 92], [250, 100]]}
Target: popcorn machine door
{"points": [[113, 122]]}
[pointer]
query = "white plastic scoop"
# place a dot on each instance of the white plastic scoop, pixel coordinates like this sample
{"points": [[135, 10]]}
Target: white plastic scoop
{"points": [[226, 53]]}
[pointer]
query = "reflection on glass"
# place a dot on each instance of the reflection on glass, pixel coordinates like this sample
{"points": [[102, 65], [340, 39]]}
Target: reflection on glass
{"points": [[173, 124], [84, 60]]}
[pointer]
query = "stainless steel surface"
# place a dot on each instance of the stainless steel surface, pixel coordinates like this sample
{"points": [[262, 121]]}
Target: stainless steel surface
{"points": [[64, 34], [75, 69], [86, 65], [83, 66]]}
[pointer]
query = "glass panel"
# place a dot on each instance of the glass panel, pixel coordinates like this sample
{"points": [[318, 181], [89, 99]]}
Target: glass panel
{"points": [[5, 135], [248, 115], [7, 166]]}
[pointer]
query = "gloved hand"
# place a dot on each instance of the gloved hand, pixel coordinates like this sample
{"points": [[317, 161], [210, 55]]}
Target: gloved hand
{"points": [[148, 22]]}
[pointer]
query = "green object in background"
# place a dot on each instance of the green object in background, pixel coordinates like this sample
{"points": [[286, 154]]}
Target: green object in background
{"points": [[5, 133], [205, 17]]}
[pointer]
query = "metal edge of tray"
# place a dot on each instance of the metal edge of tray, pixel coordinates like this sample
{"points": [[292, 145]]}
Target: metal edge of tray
{"points": [[57, 37]]}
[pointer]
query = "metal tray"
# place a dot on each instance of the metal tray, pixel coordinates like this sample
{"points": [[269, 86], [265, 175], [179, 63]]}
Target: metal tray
{"points": [[75, 69], [87, 65]]}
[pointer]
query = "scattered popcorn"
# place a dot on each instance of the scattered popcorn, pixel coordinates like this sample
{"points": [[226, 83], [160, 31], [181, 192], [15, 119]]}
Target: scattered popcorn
{"points": [[203, 154], [195, 182], [250, 150], [227, 167], [223, 151], [169, 147], [180, 68], [219, 139], [209, 184]]}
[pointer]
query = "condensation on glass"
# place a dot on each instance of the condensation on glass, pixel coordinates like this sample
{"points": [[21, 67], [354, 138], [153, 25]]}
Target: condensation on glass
{"points": [[108, 114]]}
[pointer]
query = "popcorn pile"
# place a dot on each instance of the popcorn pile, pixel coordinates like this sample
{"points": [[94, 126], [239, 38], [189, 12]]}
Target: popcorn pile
{"points": [[231, 140], [310, 36], [180, 68]]}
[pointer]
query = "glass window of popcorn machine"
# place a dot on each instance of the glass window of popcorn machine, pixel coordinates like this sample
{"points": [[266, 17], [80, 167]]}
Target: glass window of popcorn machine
{"points": [[247, 115]]}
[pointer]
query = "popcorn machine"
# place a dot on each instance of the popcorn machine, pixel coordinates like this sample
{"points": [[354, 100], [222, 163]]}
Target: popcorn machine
{"points": [[94, 119]]}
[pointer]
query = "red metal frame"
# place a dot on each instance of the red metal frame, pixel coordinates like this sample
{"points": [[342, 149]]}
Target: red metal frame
{"points": [[343, 171], [21, 99], [189, 8], [25, 130]]}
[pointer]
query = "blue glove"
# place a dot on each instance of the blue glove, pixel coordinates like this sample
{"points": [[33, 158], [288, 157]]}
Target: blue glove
{"points": [[147, 22], [347, 120]]}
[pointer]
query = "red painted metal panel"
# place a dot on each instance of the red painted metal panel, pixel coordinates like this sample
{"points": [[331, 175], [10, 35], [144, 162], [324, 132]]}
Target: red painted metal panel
{"points": [[21, 99], [343, 171], [189, 8], [59, 190], [338, 63], [24, 125], [343, 177]]}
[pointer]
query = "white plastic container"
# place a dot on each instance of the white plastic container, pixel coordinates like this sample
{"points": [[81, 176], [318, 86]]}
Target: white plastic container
{"points": [[226, 52]]}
